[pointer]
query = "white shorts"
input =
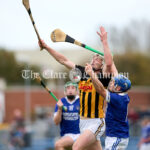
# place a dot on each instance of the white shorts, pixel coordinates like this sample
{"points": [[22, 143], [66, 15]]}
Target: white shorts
{"points": [[114, 143], [73, 136], [145, 146], [96, 126]]}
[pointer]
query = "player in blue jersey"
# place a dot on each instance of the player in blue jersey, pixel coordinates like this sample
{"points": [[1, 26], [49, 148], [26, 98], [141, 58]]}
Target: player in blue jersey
{"points": [[144, 143], [69, 120], [117, 127]]}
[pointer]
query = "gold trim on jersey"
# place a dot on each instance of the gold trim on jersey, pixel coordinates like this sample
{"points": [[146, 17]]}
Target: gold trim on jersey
{"points": [[99, 128]]}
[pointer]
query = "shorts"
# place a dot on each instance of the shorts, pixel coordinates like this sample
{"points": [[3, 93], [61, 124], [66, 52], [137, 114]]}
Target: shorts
{"points": [[73, 136], [145, 146], [114, 143], [96, 126]]}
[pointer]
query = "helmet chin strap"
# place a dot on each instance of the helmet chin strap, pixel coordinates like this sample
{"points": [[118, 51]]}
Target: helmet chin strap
{"points": [[114, 90]]}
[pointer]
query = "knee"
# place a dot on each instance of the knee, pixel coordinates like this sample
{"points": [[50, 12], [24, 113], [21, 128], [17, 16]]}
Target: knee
{"points": [[75, 146], [58, 145]]}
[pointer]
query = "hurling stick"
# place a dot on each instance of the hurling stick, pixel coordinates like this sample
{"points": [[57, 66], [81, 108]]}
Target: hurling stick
{"points": [[27, 6], [59, 36], [49, 91]]}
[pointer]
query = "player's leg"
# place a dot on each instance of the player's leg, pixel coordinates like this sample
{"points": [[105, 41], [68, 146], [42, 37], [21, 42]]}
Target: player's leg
{"points": [[85, 139], [64, 142], [95, 146], [91, 130]]}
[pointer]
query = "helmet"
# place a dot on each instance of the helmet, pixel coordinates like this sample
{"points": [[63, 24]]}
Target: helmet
{"points": [[123, 82], [98, 55], [70, 83]]}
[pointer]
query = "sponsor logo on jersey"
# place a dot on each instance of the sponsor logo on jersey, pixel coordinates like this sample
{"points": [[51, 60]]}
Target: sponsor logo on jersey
{"points": [[85, 87]]}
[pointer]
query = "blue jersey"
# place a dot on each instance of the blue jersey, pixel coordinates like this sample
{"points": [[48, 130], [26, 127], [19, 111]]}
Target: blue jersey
{"points": [[70, 119], [146, 132], [116, 115]]}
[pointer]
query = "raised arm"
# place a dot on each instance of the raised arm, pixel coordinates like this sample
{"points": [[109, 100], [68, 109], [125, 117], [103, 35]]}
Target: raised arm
{"points": [[58, 114], [97, 84], [58, 57], [109, 63]]}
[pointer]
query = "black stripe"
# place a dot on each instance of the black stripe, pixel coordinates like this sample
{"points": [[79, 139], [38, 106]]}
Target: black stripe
{"points": [[29, 11], [96, 105], [83, 103], [80, 100], [33, 22], [43, 84], [69, 39], [83, 45], [89, 105], [80, 93]]}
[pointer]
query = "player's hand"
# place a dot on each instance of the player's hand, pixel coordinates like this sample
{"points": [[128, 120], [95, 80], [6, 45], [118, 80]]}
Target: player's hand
{"points": [[89, 69], [42, 44], [59, 104], [102, 34]]}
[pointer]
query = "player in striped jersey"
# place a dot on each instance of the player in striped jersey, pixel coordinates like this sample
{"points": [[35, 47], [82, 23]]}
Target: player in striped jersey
{"points": [[92, 124]]}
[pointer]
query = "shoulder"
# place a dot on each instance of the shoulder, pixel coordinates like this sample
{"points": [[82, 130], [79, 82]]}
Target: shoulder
{"points": [[104, 78], [77, 99], [63, 100], [110, 95], [81, 68]]}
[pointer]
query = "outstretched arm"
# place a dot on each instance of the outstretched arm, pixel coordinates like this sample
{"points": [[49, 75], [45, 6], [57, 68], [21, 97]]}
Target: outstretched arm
{"points": [[97, 84], [109, 63], [59, 57]]}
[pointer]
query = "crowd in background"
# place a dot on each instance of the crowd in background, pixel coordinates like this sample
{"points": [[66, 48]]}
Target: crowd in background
{"points": [[23, 135]]}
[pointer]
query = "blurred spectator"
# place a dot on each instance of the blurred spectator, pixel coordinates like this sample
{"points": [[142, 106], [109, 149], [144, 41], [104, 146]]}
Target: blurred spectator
{"points": [[133, 116], [144, 143], [133, 121], [144, 111], [17, 131], [53, 130]]}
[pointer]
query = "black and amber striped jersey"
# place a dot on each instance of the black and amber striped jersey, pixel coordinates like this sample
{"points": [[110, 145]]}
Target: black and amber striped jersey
{"points": [[91, 102]]}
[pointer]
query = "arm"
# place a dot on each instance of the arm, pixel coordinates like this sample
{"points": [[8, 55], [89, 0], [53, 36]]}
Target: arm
{"points": [[97, 84], [58, 114], [58, 57], [109, 63], [143, 141], [146, 140]]}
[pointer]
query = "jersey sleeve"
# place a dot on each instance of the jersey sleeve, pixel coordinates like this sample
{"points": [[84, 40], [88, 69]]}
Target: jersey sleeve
{"points": [[107, 96], [56, 109], [81, 68], [112, 98]]}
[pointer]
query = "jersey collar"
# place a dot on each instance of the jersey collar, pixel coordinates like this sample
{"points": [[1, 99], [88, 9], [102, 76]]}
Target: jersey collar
{"points": [[71, 102]]}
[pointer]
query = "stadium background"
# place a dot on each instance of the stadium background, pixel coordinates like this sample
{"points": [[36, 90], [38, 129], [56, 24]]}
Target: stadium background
{"points": [[129, 41]]}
